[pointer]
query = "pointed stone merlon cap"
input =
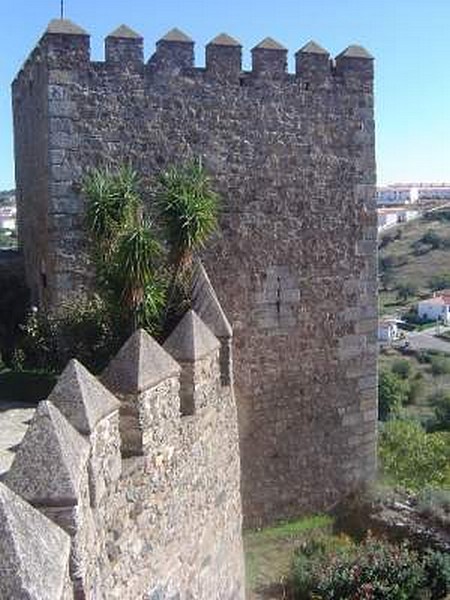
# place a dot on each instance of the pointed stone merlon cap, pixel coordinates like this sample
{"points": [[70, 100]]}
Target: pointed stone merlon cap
{"points": [[174, 52], [139, 365], [207, 305], [224, 57], [355, 63], [312, 60], [190, 343], [124, 46], [64, 27], [191, 340], [34, 552], [67, 44], [269, 58], [82, 399], [50, 462], [208, 308]]}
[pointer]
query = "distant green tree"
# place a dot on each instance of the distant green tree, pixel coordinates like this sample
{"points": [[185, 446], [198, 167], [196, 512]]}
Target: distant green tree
{"points": [[440, 401], [392, 394], [407, 289], [439, 282], [402, 368], [413, 458], [440, 364], [432, 238]]}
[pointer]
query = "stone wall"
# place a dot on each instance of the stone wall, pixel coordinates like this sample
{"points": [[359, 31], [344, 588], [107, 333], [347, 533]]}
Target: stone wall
{"points": [[99, 506], [294, 263]]}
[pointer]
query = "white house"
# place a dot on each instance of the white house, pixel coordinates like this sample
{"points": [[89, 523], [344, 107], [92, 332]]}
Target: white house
{"points": [[388, 330], [436, 308], [8, 218], [388, 217]]}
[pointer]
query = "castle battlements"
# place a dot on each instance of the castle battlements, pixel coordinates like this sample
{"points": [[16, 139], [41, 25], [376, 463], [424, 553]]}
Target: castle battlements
{"points": [[142, 484], [66, 46]]}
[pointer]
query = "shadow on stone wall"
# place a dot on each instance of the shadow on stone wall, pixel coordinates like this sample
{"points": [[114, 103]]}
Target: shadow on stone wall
{"points": [[14, 300]]}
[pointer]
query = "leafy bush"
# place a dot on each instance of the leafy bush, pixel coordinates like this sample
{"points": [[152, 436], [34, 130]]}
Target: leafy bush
{"points": [[392, 394], [440, 401], [412, 458], [373, 570], [437, 569], [407, 289], [439, 282], [85, 329], [440, 365], [432, 238], [402, 368]]}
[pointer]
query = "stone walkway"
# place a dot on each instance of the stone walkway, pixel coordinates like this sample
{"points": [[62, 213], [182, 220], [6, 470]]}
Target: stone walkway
{"points": [[14, 419]]}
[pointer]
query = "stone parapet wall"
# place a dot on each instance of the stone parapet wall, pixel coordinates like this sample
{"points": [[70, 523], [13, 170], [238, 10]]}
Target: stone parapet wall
{"points": [[162, 522]]}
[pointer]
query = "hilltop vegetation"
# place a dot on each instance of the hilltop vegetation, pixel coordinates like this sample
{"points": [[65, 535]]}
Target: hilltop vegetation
{"points": [[414, 261]]}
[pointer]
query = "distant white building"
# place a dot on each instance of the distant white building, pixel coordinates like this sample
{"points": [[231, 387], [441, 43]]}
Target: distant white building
{"points": [[433, 192], [395, 195], [436, 308], [8, 218], [388, 217], [409, 193], [388, 330]]}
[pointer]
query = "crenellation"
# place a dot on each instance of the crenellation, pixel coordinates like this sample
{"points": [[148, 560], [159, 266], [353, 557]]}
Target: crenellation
{"points": [[224, 59], [66, 49], [124, 47], [269, 59], [174, 54], [313, 66], [196, 349]]}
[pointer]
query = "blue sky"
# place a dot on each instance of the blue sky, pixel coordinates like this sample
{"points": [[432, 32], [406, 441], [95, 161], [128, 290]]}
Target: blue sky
{"points": [[409, 38]]}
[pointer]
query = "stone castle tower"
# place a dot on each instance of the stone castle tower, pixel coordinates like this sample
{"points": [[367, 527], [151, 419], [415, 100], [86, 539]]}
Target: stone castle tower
{"points": [[294, 264]]}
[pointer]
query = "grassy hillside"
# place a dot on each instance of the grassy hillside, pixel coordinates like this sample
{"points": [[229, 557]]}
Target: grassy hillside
{"points": [[414, 260]]}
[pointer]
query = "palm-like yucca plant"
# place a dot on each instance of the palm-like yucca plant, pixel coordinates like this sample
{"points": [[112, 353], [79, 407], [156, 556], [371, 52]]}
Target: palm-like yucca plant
{"points": [[136, 260], [125, 249], [113, 204], [188, 207]]}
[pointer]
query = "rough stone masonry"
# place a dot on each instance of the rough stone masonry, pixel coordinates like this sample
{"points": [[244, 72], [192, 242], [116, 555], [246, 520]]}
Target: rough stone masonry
{"points": [[294, 264]]}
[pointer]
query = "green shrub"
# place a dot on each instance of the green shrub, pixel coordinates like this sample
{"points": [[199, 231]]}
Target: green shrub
{"points": [[437, 570], [432, 238], [402, 368], [407, 289], [392, 394], [440, 365], [85, 329], [440, 401], [336, 569], [412, 458], [416, 388], [439, 282], [374, 569]]}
